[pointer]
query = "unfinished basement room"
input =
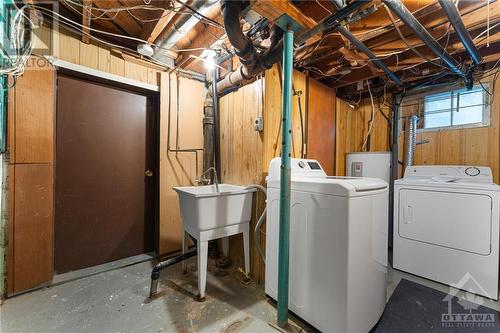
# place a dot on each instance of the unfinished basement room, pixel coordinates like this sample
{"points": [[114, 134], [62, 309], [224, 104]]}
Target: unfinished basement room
{"points": [[250, 166]]}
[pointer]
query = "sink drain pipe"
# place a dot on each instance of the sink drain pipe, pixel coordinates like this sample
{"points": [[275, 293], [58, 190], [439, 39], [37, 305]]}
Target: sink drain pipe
{"points": [[155, 274]]}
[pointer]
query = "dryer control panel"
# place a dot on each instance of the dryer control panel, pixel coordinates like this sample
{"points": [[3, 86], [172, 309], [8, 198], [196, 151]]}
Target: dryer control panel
{"points": [[450, 173], [299, 168]]}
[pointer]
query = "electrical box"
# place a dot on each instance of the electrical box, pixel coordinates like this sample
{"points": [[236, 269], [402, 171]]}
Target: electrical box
{"points": [[258, 124]]}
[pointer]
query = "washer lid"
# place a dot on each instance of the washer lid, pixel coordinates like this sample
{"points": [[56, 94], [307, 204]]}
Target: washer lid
{"points": [[340, 186]]}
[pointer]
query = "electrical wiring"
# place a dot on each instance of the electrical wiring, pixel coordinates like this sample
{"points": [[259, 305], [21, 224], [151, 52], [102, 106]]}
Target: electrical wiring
{"points": [[117, 10], [486, 31], [389, 13], [17, 64], [61, 18], [326, 9], [372, 120], [200, 16]]}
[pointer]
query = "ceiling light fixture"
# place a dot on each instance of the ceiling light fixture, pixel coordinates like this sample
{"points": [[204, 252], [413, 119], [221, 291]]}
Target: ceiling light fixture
{"points": [[145, 50]]}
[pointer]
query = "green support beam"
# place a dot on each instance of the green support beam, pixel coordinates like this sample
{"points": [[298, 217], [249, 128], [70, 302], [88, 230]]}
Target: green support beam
{"points": [[284, 220]]}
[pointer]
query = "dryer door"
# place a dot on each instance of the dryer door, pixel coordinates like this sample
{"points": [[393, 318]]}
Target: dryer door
{"points": [[460, 221]]}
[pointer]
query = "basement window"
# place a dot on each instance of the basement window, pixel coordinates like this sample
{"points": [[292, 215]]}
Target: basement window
{"points": [[457, 108]]}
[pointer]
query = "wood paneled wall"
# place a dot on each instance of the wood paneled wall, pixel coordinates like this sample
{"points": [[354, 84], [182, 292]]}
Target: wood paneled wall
{"points": [[241, 158], [31, 117], [321, 125], [245, 153], [468, 146], [178, 168], [352, 125]]}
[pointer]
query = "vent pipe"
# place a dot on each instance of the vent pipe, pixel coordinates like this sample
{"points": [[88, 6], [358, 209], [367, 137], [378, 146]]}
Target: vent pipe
{"points": [[411, 139]]}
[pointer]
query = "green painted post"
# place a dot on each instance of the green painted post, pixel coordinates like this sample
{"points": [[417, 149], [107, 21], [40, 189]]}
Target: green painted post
{"points": [[284, 227]]}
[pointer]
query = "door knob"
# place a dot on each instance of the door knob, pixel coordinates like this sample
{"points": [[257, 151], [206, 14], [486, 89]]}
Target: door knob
{"points": [[149, 173]]}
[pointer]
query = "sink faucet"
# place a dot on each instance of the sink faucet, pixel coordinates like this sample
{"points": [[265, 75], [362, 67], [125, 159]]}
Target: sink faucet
{"points": [[215, 177]]}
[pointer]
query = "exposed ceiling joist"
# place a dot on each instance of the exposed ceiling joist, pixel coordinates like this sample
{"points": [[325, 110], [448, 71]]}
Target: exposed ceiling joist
{"points": [[122, 19], [274, 9], [86, 18]]}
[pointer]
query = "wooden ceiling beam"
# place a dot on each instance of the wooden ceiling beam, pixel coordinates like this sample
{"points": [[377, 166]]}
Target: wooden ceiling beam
{"points": [[123, 19], [86, 18], [155, 29], [274, 9], [71, 12], [153, 21]]}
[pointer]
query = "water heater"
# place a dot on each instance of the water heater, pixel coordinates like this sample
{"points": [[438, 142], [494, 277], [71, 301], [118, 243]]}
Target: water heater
{"points": [[369, 164]]}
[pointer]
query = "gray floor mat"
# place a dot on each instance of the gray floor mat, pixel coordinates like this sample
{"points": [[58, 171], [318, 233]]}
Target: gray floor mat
{"points": [[417, 308]]}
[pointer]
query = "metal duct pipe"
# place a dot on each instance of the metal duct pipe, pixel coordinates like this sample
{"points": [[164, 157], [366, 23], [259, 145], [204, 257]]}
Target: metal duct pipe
{"points": [[363, 48], [411, 139], [215, 110], [208, 138], [407, 17], [181, 28], [455, 20]]}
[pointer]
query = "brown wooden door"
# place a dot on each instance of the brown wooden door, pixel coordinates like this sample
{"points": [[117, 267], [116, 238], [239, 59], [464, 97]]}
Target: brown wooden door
{"points": [[105, 202]]}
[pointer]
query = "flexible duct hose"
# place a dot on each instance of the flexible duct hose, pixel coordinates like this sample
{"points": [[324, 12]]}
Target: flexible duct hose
{"points": [[260, 221], [411, 139]]}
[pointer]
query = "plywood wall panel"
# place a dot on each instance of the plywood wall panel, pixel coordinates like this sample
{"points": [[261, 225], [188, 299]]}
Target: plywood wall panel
{"points": [[34, 116], [341, 114], [116, 65], [89, 55], [178, 169], [104, 59], [136, 72], [241, 159], [69, 48], [33, 225], [321, 126], [452, 147], [11, 226], [272, 115]]}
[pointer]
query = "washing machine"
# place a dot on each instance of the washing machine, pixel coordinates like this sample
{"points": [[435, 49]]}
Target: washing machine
{"points": [[446, 225], [338, 247]]}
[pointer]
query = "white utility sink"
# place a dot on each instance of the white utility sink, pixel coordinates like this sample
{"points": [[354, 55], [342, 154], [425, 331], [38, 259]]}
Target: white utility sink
{"points": [[203, 208], [210, 214]]}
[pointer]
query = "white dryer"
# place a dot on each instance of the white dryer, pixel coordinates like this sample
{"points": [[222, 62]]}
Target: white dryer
{"points": [[446, 226], [338, 247]]}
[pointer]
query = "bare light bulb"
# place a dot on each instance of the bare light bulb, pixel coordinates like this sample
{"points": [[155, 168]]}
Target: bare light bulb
{"points": [[209, 62]]}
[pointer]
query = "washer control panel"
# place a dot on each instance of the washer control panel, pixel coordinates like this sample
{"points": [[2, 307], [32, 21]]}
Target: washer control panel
{"points": [[299, 168], [459, 173]]}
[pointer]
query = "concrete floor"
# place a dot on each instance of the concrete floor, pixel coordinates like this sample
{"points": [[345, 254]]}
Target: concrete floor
{"points": [[117, 301]]}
